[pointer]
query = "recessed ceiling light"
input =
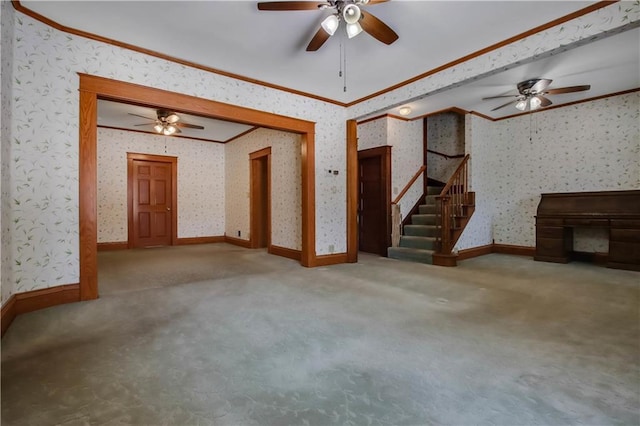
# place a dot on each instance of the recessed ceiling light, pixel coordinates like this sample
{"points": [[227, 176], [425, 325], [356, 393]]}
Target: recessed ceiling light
{"points": [[405, 110]]}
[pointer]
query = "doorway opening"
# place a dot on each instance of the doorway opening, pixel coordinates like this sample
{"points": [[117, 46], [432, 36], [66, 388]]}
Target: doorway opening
{"points": [[260, 193], [374, 200]]}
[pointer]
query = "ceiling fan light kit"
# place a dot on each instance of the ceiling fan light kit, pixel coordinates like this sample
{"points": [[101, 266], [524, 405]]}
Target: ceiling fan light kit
{"points": [[532, 93], [167, 123], [344, 10]]}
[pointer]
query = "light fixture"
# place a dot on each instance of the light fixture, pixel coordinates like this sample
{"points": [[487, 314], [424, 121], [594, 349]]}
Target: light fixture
{"points": [[169, 130], [172, 118], [351, 14], [534, 103], [353, 29], [330, 24], [522, 104], [158, 128], [405, 110]]}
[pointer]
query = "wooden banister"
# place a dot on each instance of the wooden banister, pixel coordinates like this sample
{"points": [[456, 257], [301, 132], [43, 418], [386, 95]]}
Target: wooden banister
{"points": [[452, 205], [407, 186], [447, 156]]}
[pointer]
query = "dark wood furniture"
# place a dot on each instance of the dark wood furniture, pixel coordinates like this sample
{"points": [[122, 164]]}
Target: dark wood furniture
{"points": [[617, 211]]}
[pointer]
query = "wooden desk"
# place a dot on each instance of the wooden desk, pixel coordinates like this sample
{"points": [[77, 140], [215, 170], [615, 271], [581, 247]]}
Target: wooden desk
{"points": [[617, 211]]}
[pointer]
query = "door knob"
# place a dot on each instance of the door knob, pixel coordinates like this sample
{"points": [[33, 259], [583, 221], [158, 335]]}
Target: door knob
{"points": [[168, 208]]}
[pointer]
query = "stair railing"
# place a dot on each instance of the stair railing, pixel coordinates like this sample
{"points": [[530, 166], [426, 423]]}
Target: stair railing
{"points": [[396, 217], [450, 206]]}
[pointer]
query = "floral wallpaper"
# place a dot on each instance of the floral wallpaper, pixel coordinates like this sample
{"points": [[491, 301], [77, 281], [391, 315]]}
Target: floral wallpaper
{"points": [[6, 79], [286, 186], [201, 196], [445, 134], [42, 235], [516, 160], [406, 138]]}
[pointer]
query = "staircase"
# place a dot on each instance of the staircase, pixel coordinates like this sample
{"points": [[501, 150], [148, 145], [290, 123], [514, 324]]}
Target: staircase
{"points": [[418, 240]]}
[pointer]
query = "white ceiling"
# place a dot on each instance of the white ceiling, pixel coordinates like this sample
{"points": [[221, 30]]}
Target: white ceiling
{"points": [[233, 36]]}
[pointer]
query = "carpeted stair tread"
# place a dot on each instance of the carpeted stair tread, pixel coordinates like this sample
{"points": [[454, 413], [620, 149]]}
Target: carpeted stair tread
{"points": [[434, 190], [410, 254], [421, 230], [423, 219], [427, 208], [423, 243]]}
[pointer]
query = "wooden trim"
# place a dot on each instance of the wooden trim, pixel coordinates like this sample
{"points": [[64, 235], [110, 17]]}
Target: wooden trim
{"points": [[408, 185], [515, 250], [201, 240], [237, 241], [241, 134], [131, 156], [475, 252], [285, 252], [540, 28], [254, 156], [440, 259], [8, 314], [88, 190], [352, 191], [21, 303], [384, 152], [100, 126], [20, 8], [331, 259], [116, 245], [377, 117], [92, 87]]}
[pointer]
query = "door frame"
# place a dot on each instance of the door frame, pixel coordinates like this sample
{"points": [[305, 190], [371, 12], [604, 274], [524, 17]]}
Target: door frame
{"points": [[92, 87], [131, 156], [266, 152], [384, 152]]}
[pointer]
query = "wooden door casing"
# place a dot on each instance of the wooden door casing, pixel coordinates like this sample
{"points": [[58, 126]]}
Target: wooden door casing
{"points": [[260, 203], [374, 200], [152, 200]]}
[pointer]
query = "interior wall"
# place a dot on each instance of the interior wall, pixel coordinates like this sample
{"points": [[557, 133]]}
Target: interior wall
{"points": [[45, 126], [591, 146], [6, 80], [201, 181], [286, 184], [445, 134], [407, 154]]}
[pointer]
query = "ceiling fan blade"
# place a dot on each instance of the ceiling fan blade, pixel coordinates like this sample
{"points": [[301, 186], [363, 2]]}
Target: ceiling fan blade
{"points": [[501, 96], [544, 102], [542, 84], [567, 89], [188, 126], [318, 40], [145, 124], [502, 106], [290, 5], [370, 2], [142, 116], [377, 28]]}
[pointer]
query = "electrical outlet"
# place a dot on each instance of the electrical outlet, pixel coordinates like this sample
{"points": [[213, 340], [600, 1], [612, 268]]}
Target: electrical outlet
{"points": [[331, 248], [238, 233]]}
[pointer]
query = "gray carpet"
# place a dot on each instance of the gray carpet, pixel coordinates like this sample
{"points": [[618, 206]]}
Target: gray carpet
{"points": [[240, 337]]}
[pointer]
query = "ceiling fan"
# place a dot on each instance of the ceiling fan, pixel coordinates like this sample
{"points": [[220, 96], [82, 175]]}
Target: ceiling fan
{"points": [[348, 11], [167, 122], [532, 93]]}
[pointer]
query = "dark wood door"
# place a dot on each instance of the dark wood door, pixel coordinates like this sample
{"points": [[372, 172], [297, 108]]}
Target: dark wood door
{"points": [[373, 197], [152, 203], [260, 198]]}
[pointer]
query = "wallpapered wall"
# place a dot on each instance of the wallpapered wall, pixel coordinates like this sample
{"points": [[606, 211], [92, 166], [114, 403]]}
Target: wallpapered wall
{"points": [[6, 78], [406, 138], [44, 193], [286, 186], [516, 160], [445, 134], [201, 196]]}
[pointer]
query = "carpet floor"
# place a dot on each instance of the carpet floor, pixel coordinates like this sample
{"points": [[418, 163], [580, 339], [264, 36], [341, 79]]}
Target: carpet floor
{"points": [[221, 335]]}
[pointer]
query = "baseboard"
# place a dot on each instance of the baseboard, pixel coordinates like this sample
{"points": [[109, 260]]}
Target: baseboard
{"points": [[285, 252], [29, 301], [475, 252], [201, 240], [330, 259], [237, 241], [118, 245], [444, 259], [516, 250]]}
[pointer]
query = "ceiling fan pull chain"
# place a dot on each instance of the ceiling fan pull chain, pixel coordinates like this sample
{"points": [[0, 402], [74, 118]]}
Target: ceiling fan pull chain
{"points": [[344, 76]]}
